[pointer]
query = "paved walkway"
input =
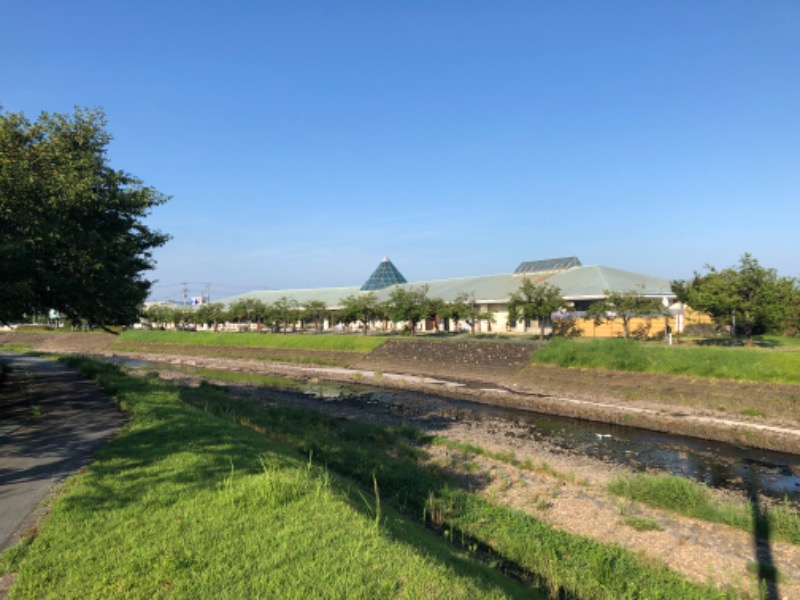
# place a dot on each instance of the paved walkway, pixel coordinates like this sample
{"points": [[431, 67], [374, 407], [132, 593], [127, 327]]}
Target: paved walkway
{"points": [[52, 421]]}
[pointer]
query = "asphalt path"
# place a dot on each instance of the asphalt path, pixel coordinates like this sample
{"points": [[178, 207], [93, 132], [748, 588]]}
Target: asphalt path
{"points": [[52, 421]]}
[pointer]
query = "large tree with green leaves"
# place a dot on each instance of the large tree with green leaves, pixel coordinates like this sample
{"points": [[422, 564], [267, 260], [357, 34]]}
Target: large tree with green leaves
{"points": [[72, 236], [749, 297], [286, 313], [534, 301], [413, 305], [361, 308], [211, 314], [465, 308], [626, 306], [315, 311], [248, 310]]}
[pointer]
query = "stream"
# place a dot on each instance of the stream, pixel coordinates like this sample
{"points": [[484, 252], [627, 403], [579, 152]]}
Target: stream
{"points": [[772, 474], [717, 464]]}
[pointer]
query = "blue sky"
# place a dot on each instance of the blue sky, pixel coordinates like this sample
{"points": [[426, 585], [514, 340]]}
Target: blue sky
{"points": [[302, 142]]}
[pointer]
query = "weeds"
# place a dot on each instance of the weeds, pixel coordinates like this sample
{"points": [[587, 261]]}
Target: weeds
{"points": [[696, 500], [643, 524]]}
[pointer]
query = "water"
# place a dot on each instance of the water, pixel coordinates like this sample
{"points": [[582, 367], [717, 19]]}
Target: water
{"points": [[716, 464]]}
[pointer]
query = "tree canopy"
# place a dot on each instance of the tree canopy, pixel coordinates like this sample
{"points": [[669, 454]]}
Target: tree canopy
{"points": [[412, 304], [749, 297], [532, 301], [72, 236], [625, 306], [362, 308]]}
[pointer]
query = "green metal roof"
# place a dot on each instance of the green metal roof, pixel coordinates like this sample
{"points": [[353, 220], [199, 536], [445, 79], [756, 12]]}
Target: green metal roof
{"points": [[576, 283]]}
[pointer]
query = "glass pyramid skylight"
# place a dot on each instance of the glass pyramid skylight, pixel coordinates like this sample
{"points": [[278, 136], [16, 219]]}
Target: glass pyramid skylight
{"points": [[385, 275]]}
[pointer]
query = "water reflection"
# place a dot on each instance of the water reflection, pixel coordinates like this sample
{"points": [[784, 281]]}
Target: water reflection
{"points": [[713, 463]]}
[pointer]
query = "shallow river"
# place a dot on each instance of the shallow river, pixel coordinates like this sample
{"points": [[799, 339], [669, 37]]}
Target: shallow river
{"points": [[717, 464]]}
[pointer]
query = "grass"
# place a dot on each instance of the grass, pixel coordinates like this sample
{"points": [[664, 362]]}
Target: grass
{"points": [[305, 357], [743, 364], [351, 343], [244, 377], [186, 504], [695, 500], [16, 347], [388, 454], [208, 495], [642, 524]]}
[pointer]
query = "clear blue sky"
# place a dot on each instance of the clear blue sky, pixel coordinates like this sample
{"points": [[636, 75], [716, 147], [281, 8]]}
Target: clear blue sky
{"points": [[304, 141]]}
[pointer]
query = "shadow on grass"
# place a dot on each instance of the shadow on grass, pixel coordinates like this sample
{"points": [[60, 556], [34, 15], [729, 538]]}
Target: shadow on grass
{"points": [[764, 566], [172, 450], [735, 343], [382, 462]]}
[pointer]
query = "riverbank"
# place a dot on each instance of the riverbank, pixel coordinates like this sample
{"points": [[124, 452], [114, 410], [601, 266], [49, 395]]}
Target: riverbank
{"points": [[759, 415], [498, 460], [566, 491]]}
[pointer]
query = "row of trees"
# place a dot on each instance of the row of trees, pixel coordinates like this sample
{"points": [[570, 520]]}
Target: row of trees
{"points": [[749, 299], [414, 306], [411, 305]]}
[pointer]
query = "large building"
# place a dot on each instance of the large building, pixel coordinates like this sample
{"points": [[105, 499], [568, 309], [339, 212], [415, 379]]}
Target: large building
{"points": [[580, 287]]}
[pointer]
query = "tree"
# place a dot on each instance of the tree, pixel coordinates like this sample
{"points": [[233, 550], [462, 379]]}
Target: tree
{"points": [[181, 317], [412, 305], [752, 298], [359, 308], [158, 315], [315, 311], [464, 308], [249, 310], [285, 312], [533, 301], [72, 236], [626, 306], [210, 314]]}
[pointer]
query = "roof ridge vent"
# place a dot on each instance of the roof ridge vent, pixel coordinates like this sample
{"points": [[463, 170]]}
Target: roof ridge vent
{"points": [[549, 264]]}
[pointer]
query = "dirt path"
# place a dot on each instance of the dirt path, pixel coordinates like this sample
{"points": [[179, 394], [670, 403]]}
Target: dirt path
{"points": [[52, 421]]}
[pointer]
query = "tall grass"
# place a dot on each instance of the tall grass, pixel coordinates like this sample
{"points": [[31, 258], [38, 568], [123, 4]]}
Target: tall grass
{"points": [[695, 500], [353, 343], [742, 364], [561, 563], [189, 505]]}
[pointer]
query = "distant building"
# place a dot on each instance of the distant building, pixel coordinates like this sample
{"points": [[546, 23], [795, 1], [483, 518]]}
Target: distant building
{"points": [[580, 286]]}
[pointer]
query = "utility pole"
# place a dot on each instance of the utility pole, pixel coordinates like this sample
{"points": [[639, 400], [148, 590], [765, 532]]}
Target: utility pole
{"points": [[185, 294], [208, 292]]}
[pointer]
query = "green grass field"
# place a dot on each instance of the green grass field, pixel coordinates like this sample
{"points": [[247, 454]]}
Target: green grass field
{"points": [[184, 504], [352, 343], [742, 364], [206, 495]]}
